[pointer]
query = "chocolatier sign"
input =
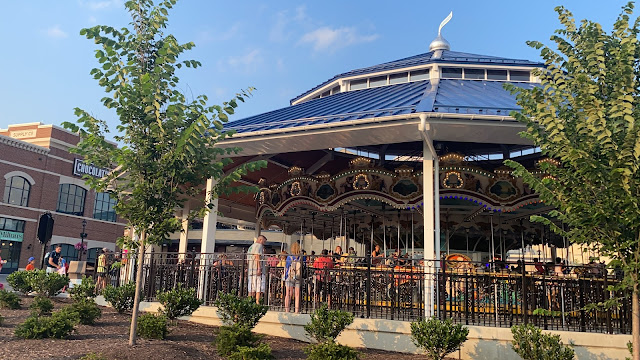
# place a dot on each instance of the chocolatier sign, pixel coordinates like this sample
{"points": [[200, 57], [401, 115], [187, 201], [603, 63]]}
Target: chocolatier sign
{"points": [[81, 168]]}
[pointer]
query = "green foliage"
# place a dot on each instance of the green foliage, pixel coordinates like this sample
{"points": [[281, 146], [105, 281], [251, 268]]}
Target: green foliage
{"points": [[93, 356], [152, 326], [179, 301], [241, 312], [121, 298], [261, 352], [19, 281], [438, 337], [85, 311], [41, 305], [230, 338], [546, 312], [531, 344], [85, 290], [9, 300], [329, 350], [326, 325], [59, 325], [47, 284]]}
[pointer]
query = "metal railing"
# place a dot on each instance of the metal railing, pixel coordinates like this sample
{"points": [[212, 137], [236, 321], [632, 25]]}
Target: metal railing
{"points": [[499, 295]]}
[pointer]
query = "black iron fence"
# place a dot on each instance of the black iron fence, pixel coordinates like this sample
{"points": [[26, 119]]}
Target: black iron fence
{"points": [[386, 288]]}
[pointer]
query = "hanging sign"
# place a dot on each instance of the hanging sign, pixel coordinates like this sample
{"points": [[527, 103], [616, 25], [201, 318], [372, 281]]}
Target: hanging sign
{"points": [[11, 235], [81, 168]]}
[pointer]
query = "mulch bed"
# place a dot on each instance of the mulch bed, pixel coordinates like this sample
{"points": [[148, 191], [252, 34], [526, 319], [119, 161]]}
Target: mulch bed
{"points": [[109, 338]]}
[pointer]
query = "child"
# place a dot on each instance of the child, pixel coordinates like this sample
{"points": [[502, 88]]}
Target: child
{"points": [[32, 264]]}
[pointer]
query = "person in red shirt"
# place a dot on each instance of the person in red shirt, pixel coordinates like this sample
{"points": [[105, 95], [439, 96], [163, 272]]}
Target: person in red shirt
{"points": [[31, 265], [322, 265]]}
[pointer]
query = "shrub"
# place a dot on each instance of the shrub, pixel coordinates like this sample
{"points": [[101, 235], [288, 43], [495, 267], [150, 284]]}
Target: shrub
{"points": [[85, 311], [41, 305], [531, 344], [93, 356], [152, 326], [121, 298], [47, 284], [178, 302], [19, 281], [59, 325], [9, 300], [330, 350], [438, 338], [261, 352], [327, 324], [230, 338], [85, 290], [242, 312]]}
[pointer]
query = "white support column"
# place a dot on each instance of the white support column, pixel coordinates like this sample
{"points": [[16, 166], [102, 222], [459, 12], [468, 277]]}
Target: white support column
{"points": [[431, 239], [184, 234], [208, 243]]}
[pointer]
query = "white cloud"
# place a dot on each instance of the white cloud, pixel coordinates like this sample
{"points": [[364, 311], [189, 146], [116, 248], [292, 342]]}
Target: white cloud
{"points": [[247, 63], [92, 20], [55, 32], [100, 5], [212, 36], [281, 31], [330, 39]]}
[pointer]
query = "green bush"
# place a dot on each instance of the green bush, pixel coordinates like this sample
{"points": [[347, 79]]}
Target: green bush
{"points": [[9, 300], [230, 338], [93, 356], [121, 298], [178, 302], [41, 305], [59, 325], [47, 284], [20, 281], [261, 352], [85, 290], [329, 350], [152, 326], [242, 312], [326, 325], [531, 344], [85, 311], [437, 337]]}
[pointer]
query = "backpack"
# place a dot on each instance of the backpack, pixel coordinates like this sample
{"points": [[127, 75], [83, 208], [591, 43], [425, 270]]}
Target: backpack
{"points": [[46, 258]]}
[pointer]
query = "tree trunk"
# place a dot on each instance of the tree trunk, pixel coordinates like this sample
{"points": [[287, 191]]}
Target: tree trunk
{"points": [[136, 299], [635, 321]]}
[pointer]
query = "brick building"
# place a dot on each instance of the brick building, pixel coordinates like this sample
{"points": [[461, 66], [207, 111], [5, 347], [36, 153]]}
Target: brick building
{"points": [[40, 175]]}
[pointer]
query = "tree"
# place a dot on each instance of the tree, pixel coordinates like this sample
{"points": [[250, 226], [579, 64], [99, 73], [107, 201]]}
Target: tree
{"points": [[584, 115], [168, 143]]}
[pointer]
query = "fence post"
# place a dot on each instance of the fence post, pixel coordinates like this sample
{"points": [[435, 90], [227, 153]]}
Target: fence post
{"points": [[583, 325], [193, 268], [242, 275], [368, 286], [606, 297], [267, 285], [466, 297], [525, 308]]}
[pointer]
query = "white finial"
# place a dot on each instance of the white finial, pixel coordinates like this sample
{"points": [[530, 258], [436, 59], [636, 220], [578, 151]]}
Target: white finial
{"points": [[441, 43]]}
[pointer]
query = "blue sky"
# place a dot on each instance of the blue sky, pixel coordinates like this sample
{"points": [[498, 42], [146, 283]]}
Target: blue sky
{"points": [[282, 48]]}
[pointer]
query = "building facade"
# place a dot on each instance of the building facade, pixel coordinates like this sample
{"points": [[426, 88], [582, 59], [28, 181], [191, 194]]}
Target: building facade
{"points": [[40, 175]]}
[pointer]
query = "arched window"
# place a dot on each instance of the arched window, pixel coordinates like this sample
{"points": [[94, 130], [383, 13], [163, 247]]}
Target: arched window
{"points": [[16, 191], [71, 199], [92, 255], [103, 209]]}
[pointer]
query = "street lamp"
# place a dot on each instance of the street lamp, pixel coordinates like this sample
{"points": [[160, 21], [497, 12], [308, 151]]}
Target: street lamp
{"points": [[83, 235]]}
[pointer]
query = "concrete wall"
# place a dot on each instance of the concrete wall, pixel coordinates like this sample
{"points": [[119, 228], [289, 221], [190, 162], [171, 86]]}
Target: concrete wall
{"points": [[484, 343]]}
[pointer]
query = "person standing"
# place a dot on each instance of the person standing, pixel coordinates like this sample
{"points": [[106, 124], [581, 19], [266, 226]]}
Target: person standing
{"points": [[31, 264], [102, 270], [255, 270], [322, 265], [292, 274], [53, 265]]}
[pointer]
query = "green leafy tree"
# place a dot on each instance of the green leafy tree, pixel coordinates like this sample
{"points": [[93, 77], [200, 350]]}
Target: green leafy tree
{"points": [[584, 115], [167, 142]]}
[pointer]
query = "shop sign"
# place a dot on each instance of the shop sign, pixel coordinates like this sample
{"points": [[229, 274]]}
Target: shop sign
{"points": [[11, 235], [81, 168]]}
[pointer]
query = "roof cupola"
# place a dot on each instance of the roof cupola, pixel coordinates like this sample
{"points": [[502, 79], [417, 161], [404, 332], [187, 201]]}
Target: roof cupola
{"points": [[440, 43]]}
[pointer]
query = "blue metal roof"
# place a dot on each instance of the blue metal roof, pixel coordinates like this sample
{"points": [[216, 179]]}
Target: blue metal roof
{"points": [[424, 59], [444, 96], [352, 105]]}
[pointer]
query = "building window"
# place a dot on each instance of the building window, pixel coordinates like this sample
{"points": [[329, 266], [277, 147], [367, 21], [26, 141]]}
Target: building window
{"points": [[496, 74], [358, 84], [103, 209], [92, 255], [378, 81], [71, 199], [16, 191], [519, 75], [420, 75], [474, 74], [452, 73], [398, 78]]}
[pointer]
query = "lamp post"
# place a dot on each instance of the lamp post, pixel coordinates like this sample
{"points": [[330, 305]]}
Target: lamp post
{"points": [[83, 235]]}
